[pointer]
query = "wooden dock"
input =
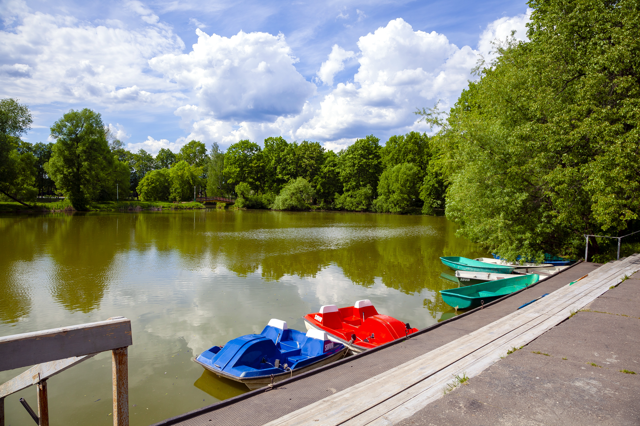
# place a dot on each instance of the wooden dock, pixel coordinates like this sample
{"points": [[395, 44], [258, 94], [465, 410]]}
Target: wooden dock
{"points": [[399, 392]]}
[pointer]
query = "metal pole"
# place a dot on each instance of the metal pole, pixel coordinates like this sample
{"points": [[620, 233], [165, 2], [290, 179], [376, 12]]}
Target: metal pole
{"points": [[194, 193], [586, 249], [117, 192], [619, 239]]}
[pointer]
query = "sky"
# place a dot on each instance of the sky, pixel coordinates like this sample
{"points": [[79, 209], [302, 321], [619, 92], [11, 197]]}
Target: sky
{"points": [[164, 72]]}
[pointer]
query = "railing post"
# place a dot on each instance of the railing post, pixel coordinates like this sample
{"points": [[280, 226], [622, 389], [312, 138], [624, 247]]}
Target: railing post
{"points": [[1, 411], [43, 403], [619, 239], [120, 387], [586, 249]]}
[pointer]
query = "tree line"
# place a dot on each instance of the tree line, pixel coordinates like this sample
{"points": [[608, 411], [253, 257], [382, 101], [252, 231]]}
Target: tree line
{"points": [[86, 164]]}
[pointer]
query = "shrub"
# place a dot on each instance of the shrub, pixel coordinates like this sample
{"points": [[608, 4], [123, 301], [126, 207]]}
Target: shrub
{"points": [[294, 196]]}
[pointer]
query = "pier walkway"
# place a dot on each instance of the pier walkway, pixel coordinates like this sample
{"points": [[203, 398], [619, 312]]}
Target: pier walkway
{"points": [[396, 383]]}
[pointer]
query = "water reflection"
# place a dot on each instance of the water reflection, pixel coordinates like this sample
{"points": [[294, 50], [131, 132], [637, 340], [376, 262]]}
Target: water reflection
{"points": [[219, 387], [189, 280]]}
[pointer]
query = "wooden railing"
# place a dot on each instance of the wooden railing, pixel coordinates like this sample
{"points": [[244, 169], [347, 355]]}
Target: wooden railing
{"points": [[58, 349]]}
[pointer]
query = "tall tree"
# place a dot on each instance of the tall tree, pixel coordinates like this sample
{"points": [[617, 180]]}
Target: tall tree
{"points": [[545, 147], [165, 158], [244, 162], [194, 153], [328, 183], [17, 167], [43, 152], [275, 159], [216, 182], [81, 156], [361, 165]]}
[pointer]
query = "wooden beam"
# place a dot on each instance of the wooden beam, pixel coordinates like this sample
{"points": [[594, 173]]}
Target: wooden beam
{"points": [[22, 350], [39, 372], [120, 371], [43, 404], [1, 411]]}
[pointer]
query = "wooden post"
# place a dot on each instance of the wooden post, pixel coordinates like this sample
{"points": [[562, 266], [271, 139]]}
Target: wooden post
{"points": [[1, 411], [43, 403], [120, 373]]}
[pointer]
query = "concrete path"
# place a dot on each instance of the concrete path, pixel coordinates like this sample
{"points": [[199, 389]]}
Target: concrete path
{"points": [[570, 375], [258, 408]]}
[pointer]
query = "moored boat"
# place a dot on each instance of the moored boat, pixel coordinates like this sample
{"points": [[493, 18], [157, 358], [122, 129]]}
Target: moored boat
{"points": [[275, 354], [471, 278], [458, 263], [475, 295], [359, 327]]}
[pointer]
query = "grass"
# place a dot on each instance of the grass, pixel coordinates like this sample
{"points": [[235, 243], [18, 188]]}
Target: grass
{"points": [[564, 358], [457, 381], [573, 313], [593, 364], [102, 206], [627, 372], [540, 353], [512, 350]]}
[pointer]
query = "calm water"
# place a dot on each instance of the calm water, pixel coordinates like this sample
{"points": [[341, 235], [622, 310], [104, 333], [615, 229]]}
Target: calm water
{"points": [[188, 280]]}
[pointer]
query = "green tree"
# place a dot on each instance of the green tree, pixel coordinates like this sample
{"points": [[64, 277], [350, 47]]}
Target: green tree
{"points": [[17, 166], [243, 162], [184, 177], [44, 183], [216, 182], [545, 146], [165, 158], [328, 184], [194, 153], [355, 200], [360, 169], [295, 195], [398, 189], [155, 186], [275, 160], [81, 156], [410, 148]]}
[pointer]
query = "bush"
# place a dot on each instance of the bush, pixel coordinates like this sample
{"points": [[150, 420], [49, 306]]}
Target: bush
{"points": [[294, 196], [155, 186], [358, 200], [183, 179], [398, 189], [248, 199]]}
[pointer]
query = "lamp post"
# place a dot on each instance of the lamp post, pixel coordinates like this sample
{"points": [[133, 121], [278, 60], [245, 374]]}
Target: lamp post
{"points": [[117, 191]]}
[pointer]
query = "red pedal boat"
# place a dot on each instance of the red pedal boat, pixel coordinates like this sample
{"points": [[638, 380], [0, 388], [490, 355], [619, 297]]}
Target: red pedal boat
{"points": [[360, 327]]}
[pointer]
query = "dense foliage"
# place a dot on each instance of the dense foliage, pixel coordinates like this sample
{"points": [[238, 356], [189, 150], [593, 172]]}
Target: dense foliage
{"points": [[545, 147], [296, 195]]}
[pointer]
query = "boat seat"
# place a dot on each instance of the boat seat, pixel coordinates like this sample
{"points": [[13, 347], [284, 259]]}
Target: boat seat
{"points": [[331, 317], [487, 294], [355, 321], [364, 309], [298, 358]]}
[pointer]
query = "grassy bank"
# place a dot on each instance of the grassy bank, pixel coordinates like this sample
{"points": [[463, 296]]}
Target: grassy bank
{"points": [[105, 206]]}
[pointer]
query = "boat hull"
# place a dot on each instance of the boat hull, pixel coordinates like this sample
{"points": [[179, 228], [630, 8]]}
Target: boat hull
{"points": [[352, 348], [259, 382], [472, 296], [464, 264], [472, 278]]}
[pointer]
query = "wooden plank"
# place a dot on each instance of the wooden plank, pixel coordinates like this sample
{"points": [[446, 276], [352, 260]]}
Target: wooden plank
{"points": [[404, 405], [332, 412], [120, 372], [22, 350], [1, 411], [39, 372], [43, 404]]}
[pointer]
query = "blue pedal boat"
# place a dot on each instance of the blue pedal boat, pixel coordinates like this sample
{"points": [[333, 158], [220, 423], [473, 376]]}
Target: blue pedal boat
{"points": [[277, 353]]}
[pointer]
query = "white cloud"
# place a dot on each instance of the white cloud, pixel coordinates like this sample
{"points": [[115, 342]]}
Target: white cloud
{"points": [[153, 146], [499, 30], [49, 58], [196, 23], [12, 10], [248, 77], [334, 64], [145, 13], [361, 15], [400, 70], [117, 132]]}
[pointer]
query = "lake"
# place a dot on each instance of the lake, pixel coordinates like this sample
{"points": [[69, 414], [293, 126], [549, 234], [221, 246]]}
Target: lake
{"points": [[192, 279]]}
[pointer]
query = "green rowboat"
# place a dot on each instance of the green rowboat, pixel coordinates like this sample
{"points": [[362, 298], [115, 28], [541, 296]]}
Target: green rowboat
{"points": [[471, 278], [474, 295], [463, 264]]}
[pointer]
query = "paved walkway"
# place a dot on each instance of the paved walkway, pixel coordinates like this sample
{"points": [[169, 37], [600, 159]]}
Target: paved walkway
{"points": [[260, 407], [570, 375]]}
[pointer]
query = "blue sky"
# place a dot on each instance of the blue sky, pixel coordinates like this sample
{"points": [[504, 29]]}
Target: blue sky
{"points": [[164, 72]]}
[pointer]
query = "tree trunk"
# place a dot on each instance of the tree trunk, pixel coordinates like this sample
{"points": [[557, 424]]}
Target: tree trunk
{"points": [[15, 199]]}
